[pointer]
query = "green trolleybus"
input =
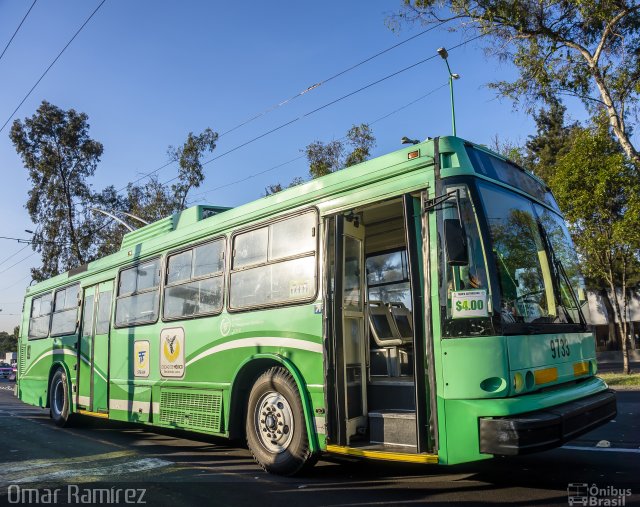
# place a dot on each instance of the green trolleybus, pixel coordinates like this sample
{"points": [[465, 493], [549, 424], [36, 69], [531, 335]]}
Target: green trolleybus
{"points": [[423, 306]]}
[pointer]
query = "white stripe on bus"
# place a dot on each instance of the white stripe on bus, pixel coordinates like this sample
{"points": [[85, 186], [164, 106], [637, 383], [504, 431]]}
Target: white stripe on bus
{"points": [[263, 341], [65, 352], [141, 407]]}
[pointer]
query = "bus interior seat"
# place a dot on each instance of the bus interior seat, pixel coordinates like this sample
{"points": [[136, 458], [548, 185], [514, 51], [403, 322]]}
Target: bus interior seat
{"points": [[383, 327], [403, 320], [388, 359]]}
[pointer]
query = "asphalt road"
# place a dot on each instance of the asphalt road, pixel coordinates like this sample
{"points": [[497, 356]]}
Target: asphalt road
{"points": [[102, 457]]}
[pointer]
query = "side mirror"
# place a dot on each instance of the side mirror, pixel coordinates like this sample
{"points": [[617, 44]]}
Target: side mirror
{"points": [[455, 243]]}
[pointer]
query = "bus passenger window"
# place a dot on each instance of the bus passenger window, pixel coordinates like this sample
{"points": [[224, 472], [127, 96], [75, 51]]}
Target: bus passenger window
{"points": [[137, 301], [280, 279], [195, 281], [65, 312], [40, 316], [250, 248]]}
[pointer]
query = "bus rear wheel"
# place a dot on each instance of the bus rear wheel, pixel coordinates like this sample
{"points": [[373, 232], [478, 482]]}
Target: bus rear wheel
{"points": [[275, 426], [59, 398]]}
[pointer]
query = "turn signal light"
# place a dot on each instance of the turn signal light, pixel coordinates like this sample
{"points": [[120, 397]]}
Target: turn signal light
{"points": [[545, 375]]}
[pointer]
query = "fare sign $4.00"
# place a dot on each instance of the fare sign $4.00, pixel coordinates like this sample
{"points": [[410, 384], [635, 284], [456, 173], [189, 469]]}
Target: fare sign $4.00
{"points": [[468, 303]]}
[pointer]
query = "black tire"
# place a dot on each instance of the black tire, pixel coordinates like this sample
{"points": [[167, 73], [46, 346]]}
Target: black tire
{"points": [[275, 425], [59, 398]]}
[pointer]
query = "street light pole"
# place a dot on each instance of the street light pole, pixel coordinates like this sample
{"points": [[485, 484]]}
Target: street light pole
{"points": [[444, 55]]}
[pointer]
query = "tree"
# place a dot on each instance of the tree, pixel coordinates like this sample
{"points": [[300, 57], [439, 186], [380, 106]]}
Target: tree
{"points": [[9, 342], [552, 139], [153, 200], [59, 155], [326, 158], [599, 194], [588, 49], [278, 187], [362, 141], [189, 158]]}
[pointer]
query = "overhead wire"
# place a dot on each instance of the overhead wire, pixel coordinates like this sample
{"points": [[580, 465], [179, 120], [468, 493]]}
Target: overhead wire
{"points": [[328, 104], [17, 30], [13, 255], [16, 263], [260, 173], [283, 102], [51, 65], [15, 283], [19, 240]]}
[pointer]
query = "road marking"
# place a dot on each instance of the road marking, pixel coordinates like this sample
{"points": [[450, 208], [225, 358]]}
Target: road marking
{"points": [[19, 466], [129, 467], [602, 449]]}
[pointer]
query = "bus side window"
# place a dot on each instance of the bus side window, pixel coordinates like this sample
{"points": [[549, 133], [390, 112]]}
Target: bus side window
{"points": [[195, 281], [65, 312], [275, 264], [138, 294], [40, 316]]}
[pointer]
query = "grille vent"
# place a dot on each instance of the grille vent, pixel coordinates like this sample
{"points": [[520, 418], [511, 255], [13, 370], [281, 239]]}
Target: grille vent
{"points": [[198, 410], [22, 358]]}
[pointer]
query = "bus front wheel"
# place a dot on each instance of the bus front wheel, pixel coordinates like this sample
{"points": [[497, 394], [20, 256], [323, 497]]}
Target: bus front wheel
{"points": [[59, 398], [275, 426]]}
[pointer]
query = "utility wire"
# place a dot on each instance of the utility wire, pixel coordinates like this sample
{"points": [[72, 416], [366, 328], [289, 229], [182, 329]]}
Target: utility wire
{"points": [[19, 240], [293, 97], [51, 65], [17, 29], [200, 194], [15, 283], [328, 104], [324, 81], [15, 264], [13, 255]]}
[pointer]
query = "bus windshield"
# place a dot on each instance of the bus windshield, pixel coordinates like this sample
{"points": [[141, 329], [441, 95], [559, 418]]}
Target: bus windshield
{"points": [[535, 261]]}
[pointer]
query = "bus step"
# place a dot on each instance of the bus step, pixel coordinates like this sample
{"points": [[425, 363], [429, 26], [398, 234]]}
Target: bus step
{"points": [[393, 427]]}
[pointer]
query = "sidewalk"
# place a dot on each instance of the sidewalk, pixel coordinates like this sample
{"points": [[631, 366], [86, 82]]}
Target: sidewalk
{"points": [[611, 361]]}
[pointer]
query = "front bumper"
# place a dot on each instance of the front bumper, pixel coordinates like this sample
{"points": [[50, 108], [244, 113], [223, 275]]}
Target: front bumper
{"points": [[545, 429]]}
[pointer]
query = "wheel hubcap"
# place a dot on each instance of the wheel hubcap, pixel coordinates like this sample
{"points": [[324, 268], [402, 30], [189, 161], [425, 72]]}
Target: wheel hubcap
{"points": [[58, 397], [273, 420]]}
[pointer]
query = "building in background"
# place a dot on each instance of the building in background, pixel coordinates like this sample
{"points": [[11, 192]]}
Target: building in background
{"points": [[604, 320], [9, 357]]}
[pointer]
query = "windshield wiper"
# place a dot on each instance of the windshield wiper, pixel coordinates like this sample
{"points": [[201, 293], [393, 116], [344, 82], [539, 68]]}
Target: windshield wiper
{"points": [[561, 272]]}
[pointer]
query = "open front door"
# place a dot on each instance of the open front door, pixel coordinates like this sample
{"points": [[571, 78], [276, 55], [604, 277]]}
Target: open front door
{"points": [[93, 377], [353, 330]]}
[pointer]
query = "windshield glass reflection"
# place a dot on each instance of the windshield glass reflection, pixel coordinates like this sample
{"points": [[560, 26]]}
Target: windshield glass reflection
{"points": [[531, 249]]}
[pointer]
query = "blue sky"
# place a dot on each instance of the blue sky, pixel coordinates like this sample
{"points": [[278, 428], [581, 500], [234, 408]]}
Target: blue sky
{"points": [[148, 72]]}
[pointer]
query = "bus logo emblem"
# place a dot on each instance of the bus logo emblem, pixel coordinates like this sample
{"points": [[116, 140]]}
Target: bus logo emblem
{"points": [[171, 348], [172, 352], [141, 353]]}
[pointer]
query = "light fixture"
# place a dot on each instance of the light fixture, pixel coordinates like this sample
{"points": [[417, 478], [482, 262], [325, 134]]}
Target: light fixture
{"points": [[444, 54]]}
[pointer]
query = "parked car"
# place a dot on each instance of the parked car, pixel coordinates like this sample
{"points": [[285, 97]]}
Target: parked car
{"points": [[6, 370]]}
